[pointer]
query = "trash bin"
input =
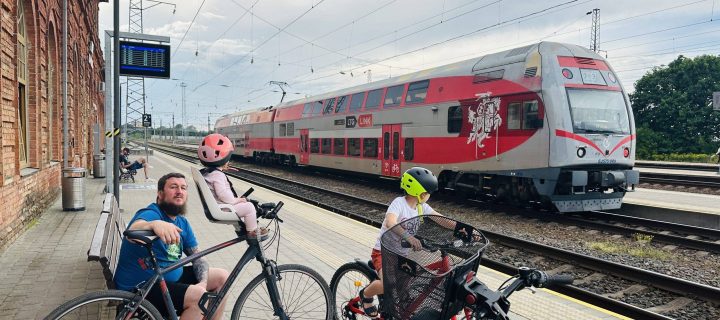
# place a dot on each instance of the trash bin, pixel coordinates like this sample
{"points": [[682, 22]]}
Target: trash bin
{"points": [[73, 189], [99, 166]]}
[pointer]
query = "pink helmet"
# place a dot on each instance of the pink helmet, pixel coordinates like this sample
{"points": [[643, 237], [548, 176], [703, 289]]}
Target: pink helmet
{"points": [[215, 150]]}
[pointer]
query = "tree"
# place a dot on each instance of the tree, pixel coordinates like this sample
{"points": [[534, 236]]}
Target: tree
{"points": [[673, 107]]}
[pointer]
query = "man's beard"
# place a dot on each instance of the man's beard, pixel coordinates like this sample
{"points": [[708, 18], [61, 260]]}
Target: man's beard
{"points": [[172, 209]]}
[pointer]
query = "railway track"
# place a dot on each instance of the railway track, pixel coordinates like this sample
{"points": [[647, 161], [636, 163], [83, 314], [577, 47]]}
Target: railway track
{"points": [[696, 181], [371, 212]]}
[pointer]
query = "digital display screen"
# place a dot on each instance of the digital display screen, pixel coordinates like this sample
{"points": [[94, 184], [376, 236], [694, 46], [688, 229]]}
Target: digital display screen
{"points": [[592, 76], [144, 59]]}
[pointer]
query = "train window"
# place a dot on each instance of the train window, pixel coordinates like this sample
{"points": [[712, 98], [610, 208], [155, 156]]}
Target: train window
{"points": [[314, 146], [353, 147], [386, 145], [282, 129], [290, 129], [370, 147], [531, 116], [317, 107], [357, 101], [339, 146], [409, 148], [326, 146], [329, 105], [417, 91], [373, 99], [307, 111], [488, 76], [394, 96], [341, 104], [455, 117], [514, 116]]}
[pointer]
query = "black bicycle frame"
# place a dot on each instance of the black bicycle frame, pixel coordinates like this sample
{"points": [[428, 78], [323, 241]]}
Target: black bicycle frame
{"points": [[254, 250]]}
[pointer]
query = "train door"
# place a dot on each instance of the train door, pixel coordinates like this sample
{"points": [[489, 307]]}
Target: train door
{"points": [[304, 146], [246, 144], [391, 150]]}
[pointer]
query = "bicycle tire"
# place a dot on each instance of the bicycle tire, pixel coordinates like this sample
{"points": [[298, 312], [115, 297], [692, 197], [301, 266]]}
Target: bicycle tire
{"points": [[105, 310], [288, 293], [344, 287]]}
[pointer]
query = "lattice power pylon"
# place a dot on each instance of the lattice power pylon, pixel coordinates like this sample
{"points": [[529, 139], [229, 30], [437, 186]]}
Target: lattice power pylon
{"points": [[595, 30], [135, 86]]}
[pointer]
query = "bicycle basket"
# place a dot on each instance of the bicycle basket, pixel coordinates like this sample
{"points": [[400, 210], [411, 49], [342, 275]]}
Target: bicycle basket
{"points": [[417, 280]]}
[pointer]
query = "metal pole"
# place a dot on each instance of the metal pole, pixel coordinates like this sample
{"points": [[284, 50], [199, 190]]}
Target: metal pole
{"points": [[183, 85], [173, 139], [116, 96], [65, 83], [108, 113]]}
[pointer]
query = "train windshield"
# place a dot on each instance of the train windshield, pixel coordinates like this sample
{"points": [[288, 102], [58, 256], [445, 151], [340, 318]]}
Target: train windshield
{"points": [[598, 111]]}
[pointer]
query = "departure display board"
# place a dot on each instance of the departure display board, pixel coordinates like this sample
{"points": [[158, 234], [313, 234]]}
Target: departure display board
{"points": [[139, 59]]}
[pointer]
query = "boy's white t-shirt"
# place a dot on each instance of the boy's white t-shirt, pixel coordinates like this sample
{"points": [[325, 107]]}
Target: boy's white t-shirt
{"points": [[404, 211]]}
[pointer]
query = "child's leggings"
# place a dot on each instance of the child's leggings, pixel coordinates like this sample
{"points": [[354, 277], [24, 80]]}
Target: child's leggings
{"points": [[246, 210]]}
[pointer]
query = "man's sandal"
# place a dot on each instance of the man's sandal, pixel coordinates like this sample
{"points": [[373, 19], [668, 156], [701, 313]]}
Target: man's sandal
{"points": [[371, 311]]}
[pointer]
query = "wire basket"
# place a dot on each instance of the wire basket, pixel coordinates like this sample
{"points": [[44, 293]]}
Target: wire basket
{"points": [[419, 281]]}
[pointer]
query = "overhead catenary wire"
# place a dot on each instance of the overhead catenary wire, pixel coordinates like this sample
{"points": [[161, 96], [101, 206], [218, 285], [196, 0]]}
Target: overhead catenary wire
{"points": [[177, 48]]}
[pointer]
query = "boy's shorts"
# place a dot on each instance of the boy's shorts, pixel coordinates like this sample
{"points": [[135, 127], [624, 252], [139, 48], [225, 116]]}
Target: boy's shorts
{"points": [[376, 257]]}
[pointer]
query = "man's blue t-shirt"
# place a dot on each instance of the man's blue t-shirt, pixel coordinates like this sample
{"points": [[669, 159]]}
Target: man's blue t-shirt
{"points": [[134, 264]]}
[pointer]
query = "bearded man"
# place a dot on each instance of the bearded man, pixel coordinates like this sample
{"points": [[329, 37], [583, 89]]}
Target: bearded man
{"points": [[175, 236]]}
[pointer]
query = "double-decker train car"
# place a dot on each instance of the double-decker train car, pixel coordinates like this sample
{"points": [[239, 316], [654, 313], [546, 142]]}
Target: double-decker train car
{"points": [[545, 123]]}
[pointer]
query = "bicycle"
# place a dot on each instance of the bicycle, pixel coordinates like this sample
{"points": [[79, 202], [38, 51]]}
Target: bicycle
{"points": [[282, 285], [437, 282]]}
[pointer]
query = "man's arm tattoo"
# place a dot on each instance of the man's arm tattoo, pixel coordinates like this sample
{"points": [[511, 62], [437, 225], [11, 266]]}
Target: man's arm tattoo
{"points": [[200, 266]]}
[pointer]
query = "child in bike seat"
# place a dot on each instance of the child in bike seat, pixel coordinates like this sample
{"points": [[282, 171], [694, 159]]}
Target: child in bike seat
{"points": [[418, 183], [215, 152]]}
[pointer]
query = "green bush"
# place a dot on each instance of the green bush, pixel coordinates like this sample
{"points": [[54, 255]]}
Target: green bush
{"points": [[681, 157]]}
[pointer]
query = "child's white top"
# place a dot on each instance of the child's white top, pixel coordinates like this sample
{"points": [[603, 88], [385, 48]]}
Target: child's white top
{"points": [[404, 211]]}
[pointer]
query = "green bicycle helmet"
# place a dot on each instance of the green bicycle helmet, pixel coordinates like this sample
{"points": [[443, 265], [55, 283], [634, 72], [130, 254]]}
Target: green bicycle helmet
{"points": [[417, 180]]}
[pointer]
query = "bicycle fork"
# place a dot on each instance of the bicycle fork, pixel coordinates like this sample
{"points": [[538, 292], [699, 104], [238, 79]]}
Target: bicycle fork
{"points": [[272, 276]]}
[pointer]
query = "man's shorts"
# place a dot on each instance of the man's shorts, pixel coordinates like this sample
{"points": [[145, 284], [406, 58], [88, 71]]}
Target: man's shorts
{"points": [[136, 165], [376, 259], [177, 292]]}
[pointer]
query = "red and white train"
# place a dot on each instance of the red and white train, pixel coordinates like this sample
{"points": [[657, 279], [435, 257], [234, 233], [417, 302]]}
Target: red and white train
{"points": [[547, 123]]}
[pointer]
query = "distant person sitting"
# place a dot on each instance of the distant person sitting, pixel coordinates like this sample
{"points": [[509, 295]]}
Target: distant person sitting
{"points": [[717, 154], [137, 164]]}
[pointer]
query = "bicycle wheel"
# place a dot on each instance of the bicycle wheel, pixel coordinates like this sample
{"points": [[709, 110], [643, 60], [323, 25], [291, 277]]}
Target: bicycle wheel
{"points": [[346, 284], [102, 305], [304, 294]]}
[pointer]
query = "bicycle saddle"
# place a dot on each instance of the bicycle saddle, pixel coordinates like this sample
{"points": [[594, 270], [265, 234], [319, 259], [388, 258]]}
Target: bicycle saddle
{"points": [[141, 237]]}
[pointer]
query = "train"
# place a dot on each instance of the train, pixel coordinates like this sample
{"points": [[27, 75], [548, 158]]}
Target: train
{"points": [[545, 124]]}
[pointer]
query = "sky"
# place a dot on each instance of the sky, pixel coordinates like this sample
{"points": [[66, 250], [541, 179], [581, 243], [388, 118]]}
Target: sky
{"points": [[228, 51]]}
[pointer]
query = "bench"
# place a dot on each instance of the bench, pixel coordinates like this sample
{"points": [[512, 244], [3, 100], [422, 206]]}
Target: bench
{"points": [[127, 175], [107, 239]]}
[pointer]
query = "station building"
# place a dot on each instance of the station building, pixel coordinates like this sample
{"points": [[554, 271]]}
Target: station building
{"points": [[31, 136]]}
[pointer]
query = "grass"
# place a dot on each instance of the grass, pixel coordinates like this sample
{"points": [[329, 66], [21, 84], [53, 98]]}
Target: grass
{"points": [[638, 248]]}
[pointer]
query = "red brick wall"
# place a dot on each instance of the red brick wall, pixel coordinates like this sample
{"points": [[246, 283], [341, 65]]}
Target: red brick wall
{"points": [[24, 196]]}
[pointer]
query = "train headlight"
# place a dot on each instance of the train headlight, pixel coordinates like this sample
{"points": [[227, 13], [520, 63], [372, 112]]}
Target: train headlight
{"points": [[567, 73], [626, 152], [581, 152]]}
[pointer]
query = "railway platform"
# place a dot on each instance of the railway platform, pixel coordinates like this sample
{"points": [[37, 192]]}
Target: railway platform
{"points": [[48, 264]]}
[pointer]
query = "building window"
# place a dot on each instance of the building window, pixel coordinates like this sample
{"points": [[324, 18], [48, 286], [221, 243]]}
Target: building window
{"points": [[339, 146], [314, 146], [353, 147], [326, 145], [455, 117], [394, 96], [409, 148], [514, 118], [357, 101], [22, 74], [370, 147], [373, 99], [417, 91]]}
